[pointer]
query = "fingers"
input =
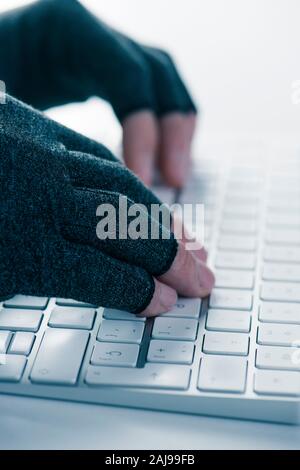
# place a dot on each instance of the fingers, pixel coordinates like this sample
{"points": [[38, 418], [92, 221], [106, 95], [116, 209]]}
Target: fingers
{"points": [[188, 275], [140, 140], [164, 298], [176, 133]]}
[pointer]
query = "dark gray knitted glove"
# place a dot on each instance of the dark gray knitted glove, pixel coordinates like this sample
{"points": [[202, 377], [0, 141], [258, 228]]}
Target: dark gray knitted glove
{"points": [[52, 181], [57, 52]]}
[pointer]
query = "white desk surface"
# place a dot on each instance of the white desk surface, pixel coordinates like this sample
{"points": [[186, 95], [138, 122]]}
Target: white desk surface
{"points": [[28, 423]]}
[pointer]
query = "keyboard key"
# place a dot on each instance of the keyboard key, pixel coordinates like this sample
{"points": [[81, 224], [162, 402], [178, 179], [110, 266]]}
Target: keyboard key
{"points": [[27, 301], [283, 237], [228, 320], [281, 272], [70, 317], [11, 370], [22, 343], [223, 374], [230, 299], [269, 382], [282, 254], [121, 331], [175, 328], [280, 292], [236, 211], [247, 227], [235, 260], [237, 243], [278, 335], [17, 319], [60, 356], [235, 279], [5, 337], [236, 344], [151, 376], [73, 303], [185, 308], [172, 352], [114, 354], [112, 314], [271, 312], [284, 220], [268, 357]]}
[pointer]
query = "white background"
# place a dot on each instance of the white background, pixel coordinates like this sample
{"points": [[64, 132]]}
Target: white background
{"points": [[240, 58]]}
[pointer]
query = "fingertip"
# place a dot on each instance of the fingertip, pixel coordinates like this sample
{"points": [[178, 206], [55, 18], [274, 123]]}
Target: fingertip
{"points": [[164, 298]]}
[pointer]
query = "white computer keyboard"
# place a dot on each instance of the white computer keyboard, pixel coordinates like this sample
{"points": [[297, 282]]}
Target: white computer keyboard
{"points": [[236, 354]]}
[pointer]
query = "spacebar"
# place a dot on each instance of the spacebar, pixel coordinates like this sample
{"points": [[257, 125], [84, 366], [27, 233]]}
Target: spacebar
{"points": [[60, 357], [151, 376]]}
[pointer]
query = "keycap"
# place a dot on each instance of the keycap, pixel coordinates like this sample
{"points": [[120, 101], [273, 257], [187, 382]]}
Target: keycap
{"points": [[5, 337], [237, 243], [278, 335], [281, 272], [175, 328], [115, 354], [247, 227], [235, 260], [223, 374], [230, 299], [283, 220], [112, 314], [185, 308], [271, 312], [283, 205], [280, 292], [27, 301], [269, 382], [60, 356], [235, 279], [72, 303], [121, 331], [228, 320], [270, 357], [236, 344], [242, 211], [283, 237], [11, 370], [17, 319], [284, 254], [161, 376], [70, 317], [172, 352], [22, 343]]}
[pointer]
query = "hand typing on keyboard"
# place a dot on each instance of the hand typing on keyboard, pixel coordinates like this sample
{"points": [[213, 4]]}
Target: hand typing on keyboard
{"points": [[52, 182]]}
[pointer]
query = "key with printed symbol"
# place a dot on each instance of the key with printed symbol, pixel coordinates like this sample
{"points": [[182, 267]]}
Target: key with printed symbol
{"points": [[236, 344], [175, 328], [121, 331], [151, 376], [114, 354], [18, 319], [271, 312], [235, 279], [278, 335], [235, 260], [113, 314], [269, 382], [228, 320], [27, 301], [60, 356], [222, 374], [185, 308], [171, 352], [12, 368], [70, 317], [230, 299], [281, 272], [22, 343], [278, 358], [280, 292]]}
